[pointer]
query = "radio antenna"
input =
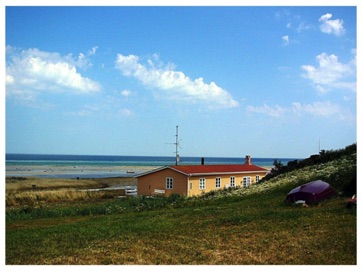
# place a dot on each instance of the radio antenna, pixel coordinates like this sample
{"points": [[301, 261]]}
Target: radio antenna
{"points": [[177, 143]]}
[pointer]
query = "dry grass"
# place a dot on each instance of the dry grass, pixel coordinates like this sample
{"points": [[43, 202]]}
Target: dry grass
{"points": [[37, 198], [38, 191], [22, 184]]}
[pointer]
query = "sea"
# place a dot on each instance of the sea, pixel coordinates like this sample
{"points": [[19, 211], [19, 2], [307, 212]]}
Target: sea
{"points": [[104, 161]]}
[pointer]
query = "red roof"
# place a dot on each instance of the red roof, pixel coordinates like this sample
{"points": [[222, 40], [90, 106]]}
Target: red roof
{"points": [[211, 169]]}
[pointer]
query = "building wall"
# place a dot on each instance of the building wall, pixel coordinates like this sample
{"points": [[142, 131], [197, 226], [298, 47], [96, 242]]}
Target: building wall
{"points": [[210, 182], [157, 180], [181, 183]]}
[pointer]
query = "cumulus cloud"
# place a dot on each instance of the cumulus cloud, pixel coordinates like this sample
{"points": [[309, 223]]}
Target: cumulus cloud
{"points": [[285, 40], [32, 71], [331, 74], [126, 93], [331, 26], [172, 84], [324, 109]]}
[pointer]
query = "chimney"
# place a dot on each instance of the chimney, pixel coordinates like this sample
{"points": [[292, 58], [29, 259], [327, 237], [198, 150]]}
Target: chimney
{"points": [[202, 161], [247, 160]]}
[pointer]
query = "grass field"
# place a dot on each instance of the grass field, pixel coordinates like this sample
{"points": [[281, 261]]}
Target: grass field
{"points": [[35, 192], [242, 226]]}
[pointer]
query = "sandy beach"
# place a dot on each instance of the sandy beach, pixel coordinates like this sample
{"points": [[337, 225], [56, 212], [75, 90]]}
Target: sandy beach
{"points": [[75, 171], [81, 171]]}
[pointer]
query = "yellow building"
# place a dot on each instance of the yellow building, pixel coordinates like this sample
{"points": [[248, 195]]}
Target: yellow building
{"points": [[193, 180]]}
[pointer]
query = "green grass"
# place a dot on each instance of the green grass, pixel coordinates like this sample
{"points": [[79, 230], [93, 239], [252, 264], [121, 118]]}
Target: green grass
{"points": [[242, 226], [228, 231]]}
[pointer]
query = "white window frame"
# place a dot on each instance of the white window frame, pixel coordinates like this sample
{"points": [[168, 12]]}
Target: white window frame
{"points": [[232, 181], [257, 178], [202, 183], [246, 181], [169, 183], [218, 182]]}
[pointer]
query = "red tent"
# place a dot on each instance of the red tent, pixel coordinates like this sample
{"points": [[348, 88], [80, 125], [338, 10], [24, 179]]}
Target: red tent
{"points": [[312, 192]]}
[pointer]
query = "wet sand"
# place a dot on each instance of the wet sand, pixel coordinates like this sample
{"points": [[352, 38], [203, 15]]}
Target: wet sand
{"points": [[83, 171], [72, 171]]}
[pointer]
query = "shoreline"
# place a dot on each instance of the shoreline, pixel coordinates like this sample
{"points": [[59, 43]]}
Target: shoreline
{"points": [[77, 172]]}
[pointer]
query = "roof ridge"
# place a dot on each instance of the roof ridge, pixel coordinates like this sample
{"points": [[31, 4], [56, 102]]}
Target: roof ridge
{"points": [[217, 168]]}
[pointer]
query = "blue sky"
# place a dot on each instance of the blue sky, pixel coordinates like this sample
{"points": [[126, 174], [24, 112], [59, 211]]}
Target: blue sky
{"points": [[264, 81]]}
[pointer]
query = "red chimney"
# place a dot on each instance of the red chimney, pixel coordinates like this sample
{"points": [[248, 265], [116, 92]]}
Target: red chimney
{"points": [[247, 160]]}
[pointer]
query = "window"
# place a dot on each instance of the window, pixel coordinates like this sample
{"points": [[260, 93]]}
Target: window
{"points": [[202, 184], [169, 183], [218, 182], [246, 181], [257, 178], [232, 181], [190, 186]]}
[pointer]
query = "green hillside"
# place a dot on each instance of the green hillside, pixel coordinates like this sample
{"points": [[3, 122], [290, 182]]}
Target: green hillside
{"points": [[232, 226], [338, 168]]}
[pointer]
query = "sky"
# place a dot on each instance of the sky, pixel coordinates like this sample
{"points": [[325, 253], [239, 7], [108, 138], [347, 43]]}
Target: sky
{"points": [[272, 81]]}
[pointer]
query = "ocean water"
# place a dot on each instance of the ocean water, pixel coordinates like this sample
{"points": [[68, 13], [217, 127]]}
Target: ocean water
{"points": [[103, 166], [113, 160]]}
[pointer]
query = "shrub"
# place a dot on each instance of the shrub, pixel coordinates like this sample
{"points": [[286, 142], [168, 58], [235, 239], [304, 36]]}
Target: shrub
{"points": [[315, 159]]}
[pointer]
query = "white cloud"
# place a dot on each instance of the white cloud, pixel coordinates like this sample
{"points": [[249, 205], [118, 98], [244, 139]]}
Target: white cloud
{"points": [[126, 112], [273, 111], [92, 51], [81, 62], [331, 74], [303, 26], [9, 80], [293, 21], [331, 26], [175, 85], [285, 40], [324, 109], [126, 93], [30, 72], [81, 113]]}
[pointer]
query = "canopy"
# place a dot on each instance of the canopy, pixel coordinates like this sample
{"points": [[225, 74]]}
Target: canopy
{"points": [[311, 192]]}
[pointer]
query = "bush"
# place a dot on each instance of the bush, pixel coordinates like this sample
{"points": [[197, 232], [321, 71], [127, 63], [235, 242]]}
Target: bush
{"points": [[315, 159]]}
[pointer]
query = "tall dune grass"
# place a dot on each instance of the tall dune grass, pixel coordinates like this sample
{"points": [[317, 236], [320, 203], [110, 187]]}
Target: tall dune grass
{"points": [[34, 192], [37, 198], [28, 183]]}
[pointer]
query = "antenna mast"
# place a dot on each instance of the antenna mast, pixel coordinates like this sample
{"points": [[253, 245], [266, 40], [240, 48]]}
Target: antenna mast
{"points": [[177, 145]]}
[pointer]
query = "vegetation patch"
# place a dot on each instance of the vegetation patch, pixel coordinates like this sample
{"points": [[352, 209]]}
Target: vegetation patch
{"points": [[231, 226]]}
